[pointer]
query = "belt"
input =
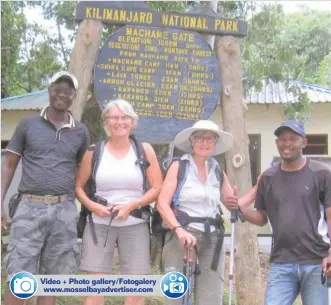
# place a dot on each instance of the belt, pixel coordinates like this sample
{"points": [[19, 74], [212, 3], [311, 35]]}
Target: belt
{"points": [[47, 199], [218, 224]]}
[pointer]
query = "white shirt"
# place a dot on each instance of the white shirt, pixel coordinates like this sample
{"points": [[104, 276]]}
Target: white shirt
{"points": [[119, 181], [199, 199]]}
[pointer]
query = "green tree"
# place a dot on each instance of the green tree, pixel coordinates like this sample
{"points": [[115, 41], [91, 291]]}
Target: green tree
{"points": [[309, 31], [323, 75], [39, 58], [12, 28], [288, 47]]}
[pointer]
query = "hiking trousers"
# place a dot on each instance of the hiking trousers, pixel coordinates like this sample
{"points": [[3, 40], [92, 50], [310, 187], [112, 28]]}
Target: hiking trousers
{"points": [[208, 288]]}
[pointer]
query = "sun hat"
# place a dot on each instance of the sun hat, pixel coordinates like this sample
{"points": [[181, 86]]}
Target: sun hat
{"points": [[224, 141], [65, 75]]}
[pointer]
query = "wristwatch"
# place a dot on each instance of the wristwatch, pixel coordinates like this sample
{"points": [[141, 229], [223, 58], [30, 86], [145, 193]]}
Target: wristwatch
{"points": [[139, 203]]}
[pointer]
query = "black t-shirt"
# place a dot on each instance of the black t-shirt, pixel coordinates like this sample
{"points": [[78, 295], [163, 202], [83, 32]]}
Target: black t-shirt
{"points": [[295, 203]]}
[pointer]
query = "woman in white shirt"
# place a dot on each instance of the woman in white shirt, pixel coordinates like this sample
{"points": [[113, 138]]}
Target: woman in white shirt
{"points": [[119, 181], [200, 197]]}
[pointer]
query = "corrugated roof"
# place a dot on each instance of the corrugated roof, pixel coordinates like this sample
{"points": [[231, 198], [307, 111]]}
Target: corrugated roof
{"points": [[275, 93], [31, 101]]}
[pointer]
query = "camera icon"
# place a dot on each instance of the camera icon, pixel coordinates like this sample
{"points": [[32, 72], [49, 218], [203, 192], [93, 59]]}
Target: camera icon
{"points": [[174, 285], [23, 285]]}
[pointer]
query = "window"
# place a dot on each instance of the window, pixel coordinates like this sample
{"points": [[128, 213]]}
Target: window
{"points": [[255, 156], [317, 145]]}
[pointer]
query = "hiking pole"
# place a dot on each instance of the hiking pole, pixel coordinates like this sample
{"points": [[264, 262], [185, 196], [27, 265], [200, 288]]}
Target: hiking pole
{"points": [[185, 259], [233, 219], [113, 215], [190, 276]]}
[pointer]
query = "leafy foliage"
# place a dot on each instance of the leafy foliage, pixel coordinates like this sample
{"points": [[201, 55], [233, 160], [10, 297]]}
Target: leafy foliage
{"points": [[301, 107], [282, 47], [12, 28], [323, 75]]}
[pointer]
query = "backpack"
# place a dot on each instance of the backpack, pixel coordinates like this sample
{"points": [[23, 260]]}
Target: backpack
{"points": [[184, 219], [90, 186], [157, 222]]}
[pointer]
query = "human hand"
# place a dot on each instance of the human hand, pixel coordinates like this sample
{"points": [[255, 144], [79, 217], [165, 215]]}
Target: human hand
{"points": [[185, 237], [124, 210], [327, 265], [102, 211], [4, 221], [231, 202]]}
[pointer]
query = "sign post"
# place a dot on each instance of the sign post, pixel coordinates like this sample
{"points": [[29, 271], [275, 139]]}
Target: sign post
{"points": [[170, 77], [159, 62]]}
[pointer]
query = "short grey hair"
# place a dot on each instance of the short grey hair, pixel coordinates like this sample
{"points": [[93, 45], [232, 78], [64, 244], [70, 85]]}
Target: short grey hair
{"points": [[123, 105]]}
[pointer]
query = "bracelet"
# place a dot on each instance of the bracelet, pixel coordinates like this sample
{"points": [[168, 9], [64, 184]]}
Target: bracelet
{"points": [[174, 229]]}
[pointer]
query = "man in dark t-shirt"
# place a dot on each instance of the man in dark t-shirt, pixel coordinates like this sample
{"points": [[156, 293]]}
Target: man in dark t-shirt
{"points": [[295, 196]]}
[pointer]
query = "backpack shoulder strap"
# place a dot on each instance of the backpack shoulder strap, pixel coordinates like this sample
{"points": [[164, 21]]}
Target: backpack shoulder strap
{"points": [[96, 158], [219, 174], [181, 178], [141, 159]]}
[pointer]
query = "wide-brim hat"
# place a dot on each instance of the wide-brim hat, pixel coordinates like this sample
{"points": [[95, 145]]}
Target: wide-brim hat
{"points": [[223, 144]]}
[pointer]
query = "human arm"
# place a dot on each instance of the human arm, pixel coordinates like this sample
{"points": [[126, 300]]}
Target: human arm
{"points": [[327, 204], [7, 174], [83, 175], [163, 206], [84, 146], [250, 196], [229, 199], [14, 152], [258, 215]]}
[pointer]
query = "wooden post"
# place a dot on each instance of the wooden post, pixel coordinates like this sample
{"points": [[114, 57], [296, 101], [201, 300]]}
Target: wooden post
{"points": [[88, 41], [247, 267]]}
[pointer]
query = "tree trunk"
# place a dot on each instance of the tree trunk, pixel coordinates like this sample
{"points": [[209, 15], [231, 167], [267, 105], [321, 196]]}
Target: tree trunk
{"points": [[247, 268], [82, 60]]}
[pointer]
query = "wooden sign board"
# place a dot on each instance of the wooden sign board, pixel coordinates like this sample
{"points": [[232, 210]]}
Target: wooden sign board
{"points": [[170, 76], [116, 12]]}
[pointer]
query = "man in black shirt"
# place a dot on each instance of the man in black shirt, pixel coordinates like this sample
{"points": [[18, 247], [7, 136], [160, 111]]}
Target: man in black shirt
{"points": [[44, 225], [296, 197]]}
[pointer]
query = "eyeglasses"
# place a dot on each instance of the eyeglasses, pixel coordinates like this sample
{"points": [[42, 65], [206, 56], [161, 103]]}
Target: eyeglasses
{"points": [[123, 118], [207, 139]]}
